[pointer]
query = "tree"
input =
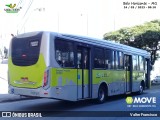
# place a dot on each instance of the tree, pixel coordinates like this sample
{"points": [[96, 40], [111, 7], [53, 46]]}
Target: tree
{"points": [[146, 36]]}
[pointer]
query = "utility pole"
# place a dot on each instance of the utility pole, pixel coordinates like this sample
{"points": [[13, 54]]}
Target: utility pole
{"points": [[87, 24]]}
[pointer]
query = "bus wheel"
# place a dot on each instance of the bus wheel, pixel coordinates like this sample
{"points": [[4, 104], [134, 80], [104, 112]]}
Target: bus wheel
{"points": [[140, 90], [101, 95]]}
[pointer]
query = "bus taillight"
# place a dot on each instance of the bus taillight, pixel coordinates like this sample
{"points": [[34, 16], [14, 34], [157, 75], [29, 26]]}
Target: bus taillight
{"points": [[45, 79]]}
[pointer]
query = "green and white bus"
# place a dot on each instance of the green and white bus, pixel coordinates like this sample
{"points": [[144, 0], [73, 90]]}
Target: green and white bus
{"points": [[70, 67]]}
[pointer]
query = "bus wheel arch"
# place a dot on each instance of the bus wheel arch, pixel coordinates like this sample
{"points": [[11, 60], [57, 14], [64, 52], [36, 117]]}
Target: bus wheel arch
{"points": [[102, 93]]}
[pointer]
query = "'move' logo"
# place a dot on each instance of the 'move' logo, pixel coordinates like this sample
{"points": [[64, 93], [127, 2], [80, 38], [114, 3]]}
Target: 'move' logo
{"points": [[130, 100]]}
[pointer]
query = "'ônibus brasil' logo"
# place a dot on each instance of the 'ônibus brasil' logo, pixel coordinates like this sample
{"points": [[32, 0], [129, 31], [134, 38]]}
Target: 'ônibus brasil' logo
{"points": [[12, 8]]}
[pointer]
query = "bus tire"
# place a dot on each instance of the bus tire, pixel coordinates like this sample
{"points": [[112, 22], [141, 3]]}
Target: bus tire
{"points": [[101, 95]]}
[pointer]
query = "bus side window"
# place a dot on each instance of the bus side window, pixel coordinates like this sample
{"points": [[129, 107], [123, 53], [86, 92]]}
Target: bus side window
{"points": [[86, 59], [109, 62], [127, 64], [64, 53], [59, 57], [134, 58], [96, 64], [106, 63], [79, 63], [120, 60], [99, 58], [141, 62]]}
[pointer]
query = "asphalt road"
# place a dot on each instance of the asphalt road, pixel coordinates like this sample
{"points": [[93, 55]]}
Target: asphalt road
{"points": [[49, 106]]}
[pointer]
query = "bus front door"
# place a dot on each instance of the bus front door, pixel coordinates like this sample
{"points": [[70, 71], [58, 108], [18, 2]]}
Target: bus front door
{"points": [[128, 73], [83, 65]]}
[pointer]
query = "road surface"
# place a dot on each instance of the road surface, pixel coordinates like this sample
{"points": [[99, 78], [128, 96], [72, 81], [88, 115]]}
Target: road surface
{"points": [[51, 106]]}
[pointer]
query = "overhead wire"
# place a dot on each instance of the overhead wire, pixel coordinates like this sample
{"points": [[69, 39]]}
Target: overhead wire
{"points": [[25, 14]]}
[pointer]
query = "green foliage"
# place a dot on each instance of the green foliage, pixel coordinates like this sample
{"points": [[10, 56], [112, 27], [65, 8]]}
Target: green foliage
{"points": [[146, 36]]}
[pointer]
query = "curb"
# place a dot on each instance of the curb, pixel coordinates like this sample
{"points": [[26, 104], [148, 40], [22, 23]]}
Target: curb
{"points": [[12, 98], [8, 97]]}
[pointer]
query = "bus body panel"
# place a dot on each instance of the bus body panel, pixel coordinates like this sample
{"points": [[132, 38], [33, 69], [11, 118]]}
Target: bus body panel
{"points": [[62, 77], [45, 48], [60, 92], [114, 78], [27, 77], [68, 83]]}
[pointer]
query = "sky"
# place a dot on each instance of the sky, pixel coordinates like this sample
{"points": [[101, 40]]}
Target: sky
{"points": [[91, 18]]}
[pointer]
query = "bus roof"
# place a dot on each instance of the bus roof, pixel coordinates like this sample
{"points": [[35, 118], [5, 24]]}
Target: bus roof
{"points": [[109, 44], [97, 42]]}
